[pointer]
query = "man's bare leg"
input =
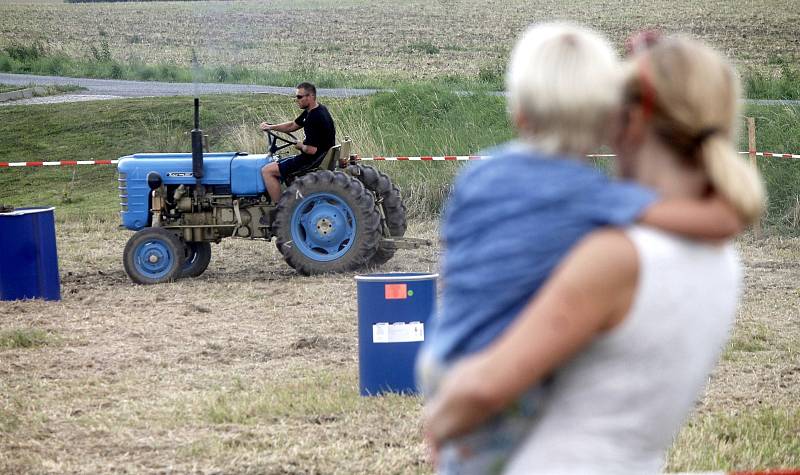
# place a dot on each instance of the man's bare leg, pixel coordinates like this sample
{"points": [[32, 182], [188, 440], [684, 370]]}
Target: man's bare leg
{"points": [[271, 175]]}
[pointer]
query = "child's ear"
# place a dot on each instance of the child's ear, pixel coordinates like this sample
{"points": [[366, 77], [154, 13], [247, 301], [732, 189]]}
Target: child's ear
{"points": [[628, 138], [631, 128], [523, 125]]}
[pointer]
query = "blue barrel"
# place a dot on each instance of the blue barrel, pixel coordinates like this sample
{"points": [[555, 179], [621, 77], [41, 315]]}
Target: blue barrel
{"points": [[28, 261], [393, 310]]}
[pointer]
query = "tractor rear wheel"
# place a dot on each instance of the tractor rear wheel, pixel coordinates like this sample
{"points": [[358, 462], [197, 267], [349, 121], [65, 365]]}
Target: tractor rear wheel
{"points": [[388, 196], [153, 256], [327, 222], [198, 255]]}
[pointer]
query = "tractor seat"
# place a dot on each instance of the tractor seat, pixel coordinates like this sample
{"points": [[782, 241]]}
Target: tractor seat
{"points": [[327, 162]]}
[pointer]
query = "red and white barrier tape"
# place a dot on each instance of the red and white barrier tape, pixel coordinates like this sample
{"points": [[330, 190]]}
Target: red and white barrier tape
{"points": [[426, 158], [445, 158], [448, 158], [60, 163], [773, 155]]}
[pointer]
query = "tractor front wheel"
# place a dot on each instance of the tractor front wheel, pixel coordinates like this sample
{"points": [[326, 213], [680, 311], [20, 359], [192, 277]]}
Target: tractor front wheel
{"points": [[198, 255], [153, 256], [327, 222]]}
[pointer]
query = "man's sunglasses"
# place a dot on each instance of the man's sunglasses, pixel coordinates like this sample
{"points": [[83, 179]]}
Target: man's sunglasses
{"points": [[300, 96]]}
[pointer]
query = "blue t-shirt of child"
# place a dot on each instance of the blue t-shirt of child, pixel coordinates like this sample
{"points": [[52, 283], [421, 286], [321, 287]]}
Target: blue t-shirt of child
{"points": [[509, 221]]}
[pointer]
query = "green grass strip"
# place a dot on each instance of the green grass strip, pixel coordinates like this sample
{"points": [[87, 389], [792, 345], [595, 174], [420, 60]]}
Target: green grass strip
{"points": [[24, 338], [414, 120]]}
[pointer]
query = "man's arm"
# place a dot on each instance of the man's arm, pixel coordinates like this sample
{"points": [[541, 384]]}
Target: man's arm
{"points": [[307, 149], [286, 127], [589, 293], [711, 218]]}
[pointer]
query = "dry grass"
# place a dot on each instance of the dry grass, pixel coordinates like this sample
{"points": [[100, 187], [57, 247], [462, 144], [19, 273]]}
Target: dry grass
{"points": [[253, 369], [750, 416], [250, 369], [400, 39]]}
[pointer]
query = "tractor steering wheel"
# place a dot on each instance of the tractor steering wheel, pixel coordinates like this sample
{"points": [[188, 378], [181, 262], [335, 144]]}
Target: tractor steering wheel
{"points": [[273, 137]]}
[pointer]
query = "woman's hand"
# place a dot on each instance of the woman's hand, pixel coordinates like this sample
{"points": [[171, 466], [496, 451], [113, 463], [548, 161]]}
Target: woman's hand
{"points": [[433, 448], [462, 403], [589, 293]]}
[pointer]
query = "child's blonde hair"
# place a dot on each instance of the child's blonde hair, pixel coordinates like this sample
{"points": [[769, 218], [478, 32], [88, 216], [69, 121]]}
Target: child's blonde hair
{"points": [[565, 80], [690, 94]]}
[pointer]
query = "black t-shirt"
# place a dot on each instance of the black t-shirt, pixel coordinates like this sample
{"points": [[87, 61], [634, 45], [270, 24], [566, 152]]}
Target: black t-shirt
{"points": [[319, 129]]}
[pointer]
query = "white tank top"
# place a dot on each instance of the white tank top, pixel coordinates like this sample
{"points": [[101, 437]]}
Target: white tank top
{"points": [[615, 407]]}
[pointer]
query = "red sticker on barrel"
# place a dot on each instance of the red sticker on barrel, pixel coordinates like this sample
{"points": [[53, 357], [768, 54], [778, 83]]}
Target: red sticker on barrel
{"points": [[395, 291]]}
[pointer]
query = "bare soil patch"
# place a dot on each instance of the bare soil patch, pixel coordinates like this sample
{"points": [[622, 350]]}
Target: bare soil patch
{"points": [[253, 369]]}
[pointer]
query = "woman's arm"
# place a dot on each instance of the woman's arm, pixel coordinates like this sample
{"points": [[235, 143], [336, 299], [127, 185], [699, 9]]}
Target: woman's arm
{"points": [[590, 292]]}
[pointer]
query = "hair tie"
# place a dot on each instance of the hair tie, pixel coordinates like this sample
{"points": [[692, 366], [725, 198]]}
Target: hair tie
{"points": [[704, 134], [641, 41]]}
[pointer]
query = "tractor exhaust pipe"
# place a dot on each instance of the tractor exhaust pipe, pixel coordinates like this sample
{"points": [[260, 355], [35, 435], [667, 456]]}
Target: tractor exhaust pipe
{"points": [[197, 145]]}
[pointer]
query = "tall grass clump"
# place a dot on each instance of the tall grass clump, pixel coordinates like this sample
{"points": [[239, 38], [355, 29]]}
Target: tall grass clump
{"points": [[24, 338], [781, 84], [758, 438], [430, 120], [22, 53], [492, 75], [11, 87], [778, 130]]}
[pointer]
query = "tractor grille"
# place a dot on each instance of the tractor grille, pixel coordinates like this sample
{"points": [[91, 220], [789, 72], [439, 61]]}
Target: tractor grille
{"points": [[123, 191]]}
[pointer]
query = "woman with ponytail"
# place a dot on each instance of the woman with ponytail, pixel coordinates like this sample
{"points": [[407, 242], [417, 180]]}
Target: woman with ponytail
{"points": [[683, 96], [630, 324]]}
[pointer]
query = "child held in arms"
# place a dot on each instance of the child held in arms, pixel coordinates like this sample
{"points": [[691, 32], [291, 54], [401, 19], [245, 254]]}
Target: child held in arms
{"points": [[511, 219]]}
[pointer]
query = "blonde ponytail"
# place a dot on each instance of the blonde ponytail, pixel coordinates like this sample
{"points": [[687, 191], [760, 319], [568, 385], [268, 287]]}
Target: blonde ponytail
{"points": [[733, 178], [691, 95]]}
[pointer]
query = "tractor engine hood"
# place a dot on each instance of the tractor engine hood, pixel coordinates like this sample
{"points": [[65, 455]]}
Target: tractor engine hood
{"points": [[176, 168], [237, 173]]}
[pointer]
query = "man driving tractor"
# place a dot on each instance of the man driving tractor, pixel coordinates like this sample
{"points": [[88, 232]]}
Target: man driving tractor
{"points": [[320, 135]]}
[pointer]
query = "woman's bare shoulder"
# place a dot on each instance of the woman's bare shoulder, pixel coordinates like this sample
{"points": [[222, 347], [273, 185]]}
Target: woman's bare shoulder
{"points": [[600, 276], [608, 248]]}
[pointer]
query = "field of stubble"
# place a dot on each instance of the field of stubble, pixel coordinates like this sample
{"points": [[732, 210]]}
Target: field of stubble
{"points": [[253, 369], [401, 39]]}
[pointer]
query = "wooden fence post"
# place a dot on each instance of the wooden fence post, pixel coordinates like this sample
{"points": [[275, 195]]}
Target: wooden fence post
{"points": [[751, 150]]}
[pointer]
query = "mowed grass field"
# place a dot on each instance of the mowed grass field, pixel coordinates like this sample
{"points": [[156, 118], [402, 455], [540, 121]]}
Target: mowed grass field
{"points": [[253, 369], [392, 40]]}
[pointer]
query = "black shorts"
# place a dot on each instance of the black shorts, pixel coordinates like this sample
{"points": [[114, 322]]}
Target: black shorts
{"points": [[297, 163]]}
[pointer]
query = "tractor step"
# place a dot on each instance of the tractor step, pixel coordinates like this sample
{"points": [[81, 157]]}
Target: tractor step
{"points": [[407, 242]]}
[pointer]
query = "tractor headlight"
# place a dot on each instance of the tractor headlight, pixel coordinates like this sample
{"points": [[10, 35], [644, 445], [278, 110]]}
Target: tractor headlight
{"points": [[154, 180]]}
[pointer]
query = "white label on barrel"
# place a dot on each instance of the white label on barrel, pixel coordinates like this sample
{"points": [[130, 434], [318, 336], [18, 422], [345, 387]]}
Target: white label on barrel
{"points": [[399, 332]]}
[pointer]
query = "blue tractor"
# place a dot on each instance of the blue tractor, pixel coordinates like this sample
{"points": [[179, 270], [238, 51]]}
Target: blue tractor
{"points": [[336, 217]]}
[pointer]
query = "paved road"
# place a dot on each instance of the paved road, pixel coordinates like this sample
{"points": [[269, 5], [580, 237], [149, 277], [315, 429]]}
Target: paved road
{"points": [[114, 88]]}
